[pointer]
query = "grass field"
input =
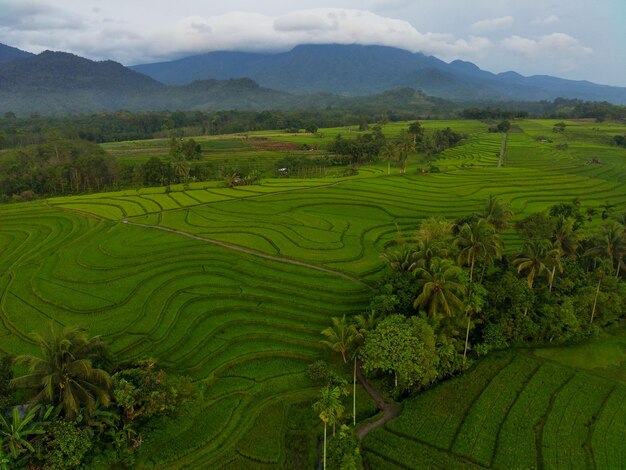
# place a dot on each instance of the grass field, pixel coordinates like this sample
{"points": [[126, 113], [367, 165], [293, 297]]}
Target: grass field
{"points": [[520, 410], [145, 269]]}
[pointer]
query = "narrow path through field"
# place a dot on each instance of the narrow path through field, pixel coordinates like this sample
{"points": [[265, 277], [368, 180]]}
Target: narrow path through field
{"points": [[389, 411], [250, 251], [502, 149]]}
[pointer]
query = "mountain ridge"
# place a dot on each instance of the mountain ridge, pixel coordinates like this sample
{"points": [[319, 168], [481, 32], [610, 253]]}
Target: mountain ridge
{"points": [[63, 83], [359, 70], [9, 53]]}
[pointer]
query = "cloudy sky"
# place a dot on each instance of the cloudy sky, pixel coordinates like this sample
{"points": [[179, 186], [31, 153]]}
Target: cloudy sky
{"points": [[578, 39]]}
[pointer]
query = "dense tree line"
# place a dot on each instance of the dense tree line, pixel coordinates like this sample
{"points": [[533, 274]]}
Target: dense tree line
{"points": [[58, 166], [492, 113], [122, 126], [366, 148], [451, 295], [74, 166], [578, 109]]}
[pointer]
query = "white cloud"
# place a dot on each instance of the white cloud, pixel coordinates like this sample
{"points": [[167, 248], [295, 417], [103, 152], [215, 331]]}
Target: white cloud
{"points": [[390, 5], [29, 16], [492, 24], [552, 19], [304, 22], [555, 42], [255, 31], [561, 49]]}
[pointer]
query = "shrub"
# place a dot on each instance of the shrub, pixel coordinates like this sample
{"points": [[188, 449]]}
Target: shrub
{"points": [[65, 446]]}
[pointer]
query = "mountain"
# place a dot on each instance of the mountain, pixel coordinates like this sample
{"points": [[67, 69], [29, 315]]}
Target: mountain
{"points": [[8, 53], [61, 83], [60, 71], [361, 70]]}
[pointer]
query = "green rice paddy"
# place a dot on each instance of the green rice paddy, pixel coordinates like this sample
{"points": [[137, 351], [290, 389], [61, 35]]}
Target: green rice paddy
{"points": [[519, 410], [233, 286]]}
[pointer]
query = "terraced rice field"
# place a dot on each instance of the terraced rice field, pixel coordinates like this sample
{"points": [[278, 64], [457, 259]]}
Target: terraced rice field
{"points": [[232, 286], [512, 411], [246, 326]]}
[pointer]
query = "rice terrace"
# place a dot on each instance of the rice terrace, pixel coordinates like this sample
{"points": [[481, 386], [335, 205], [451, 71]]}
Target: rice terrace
{"points": [[231, 287]]}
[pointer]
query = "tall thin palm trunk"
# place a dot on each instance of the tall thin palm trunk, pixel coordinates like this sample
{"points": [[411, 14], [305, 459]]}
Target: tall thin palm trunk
{"points": [[482, 272], [595, 302], [354, 394], [324, 446], [466, 338]]}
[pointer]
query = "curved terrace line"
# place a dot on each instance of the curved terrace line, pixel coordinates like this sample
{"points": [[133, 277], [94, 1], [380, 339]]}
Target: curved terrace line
{"points": [[250, 251]]}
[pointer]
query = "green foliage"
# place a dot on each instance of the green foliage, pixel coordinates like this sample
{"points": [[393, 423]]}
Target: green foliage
{"points": [[559, 127], [341, 337], [321, 373], [6, 375], [363, 149], [404, 348], [343, 451], [59, 166], [442, 293], [64, 373], [144, 390], [65, 446], [329, 406], [17, 433]]}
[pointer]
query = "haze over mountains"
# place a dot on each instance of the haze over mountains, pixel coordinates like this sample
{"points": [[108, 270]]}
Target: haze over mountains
{"points": [[310, 76]]}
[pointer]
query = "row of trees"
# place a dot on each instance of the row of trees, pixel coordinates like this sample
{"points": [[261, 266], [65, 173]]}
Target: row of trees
{"points": [[74, 166], [82, 406], [123, 125], [56, 167], [62, 166], [365, 148], [452, 294]]}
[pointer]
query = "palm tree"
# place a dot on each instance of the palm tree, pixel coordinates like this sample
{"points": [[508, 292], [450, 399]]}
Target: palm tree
{"points": [[401, 259], [390, 152], [566, 238], [181, 167], [405, 146], [15, 434], [427, 250], [610, 243], [441, 289], [553, 260], [366, 323], [533, 259], [477, 240], [601, 271], [329, 408], [64, 374], [416, 130], [341, 336], [497, 213]]}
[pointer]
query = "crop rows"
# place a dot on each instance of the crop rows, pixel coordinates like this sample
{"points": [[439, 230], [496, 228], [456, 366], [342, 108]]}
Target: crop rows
{"points": [[247, 327], [510, 412], [343, 224]]}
